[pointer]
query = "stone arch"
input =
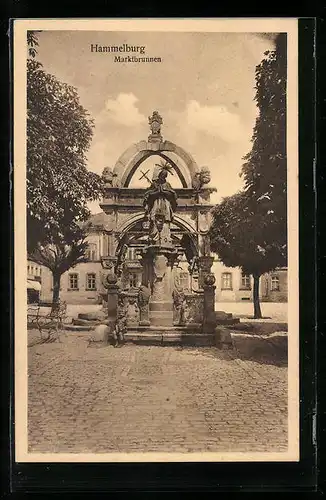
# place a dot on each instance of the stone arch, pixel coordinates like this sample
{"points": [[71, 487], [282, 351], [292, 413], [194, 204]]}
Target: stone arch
{"points": [[136, 218], [129, 161], [126, 225]]}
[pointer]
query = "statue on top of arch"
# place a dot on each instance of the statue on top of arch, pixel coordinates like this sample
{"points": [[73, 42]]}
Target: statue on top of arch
{"points": [[155, 121]]}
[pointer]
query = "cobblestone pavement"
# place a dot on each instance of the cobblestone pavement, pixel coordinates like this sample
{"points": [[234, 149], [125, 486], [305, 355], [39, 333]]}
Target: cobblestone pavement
{"points": [[150, 398]]}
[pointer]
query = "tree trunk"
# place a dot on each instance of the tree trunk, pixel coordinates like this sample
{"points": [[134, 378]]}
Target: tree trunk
{"points": [[56, 290], [257, 310]]}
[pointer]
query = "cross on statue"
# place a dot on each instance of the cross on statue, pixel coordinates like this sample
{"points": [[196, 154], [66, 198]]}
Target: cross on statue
{"points": [[145, 176]]}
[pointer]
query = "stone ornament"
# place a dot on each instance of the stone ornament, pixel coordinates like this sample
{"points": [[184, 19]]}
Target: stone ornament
{"points": [[204, 221], [160, 262], [201, 178], [144, 295], [111, 279], [179, 302], [209, 279], [155, 121], [110, 177], [121, 323], [107, 264]]}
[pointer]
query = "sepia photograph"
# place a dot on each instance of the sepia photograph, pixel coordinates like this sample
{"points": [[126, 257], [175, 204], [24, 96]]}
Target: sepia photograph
{"points": [[156, 240]]}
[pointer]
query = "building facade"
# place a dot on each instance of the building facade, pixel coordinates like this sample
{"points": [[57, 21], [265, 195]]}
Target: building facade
{"points": [[83, 283], [34, 281]]}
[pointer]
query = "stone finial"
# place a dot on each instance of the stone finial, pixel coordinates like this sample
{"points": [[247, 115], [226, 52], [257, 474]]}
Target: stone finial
{"points": [[155, 121]]}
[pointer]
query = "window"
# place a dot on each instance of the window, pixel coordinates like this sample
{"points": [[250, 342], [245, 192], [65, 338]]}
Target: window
{"points": [[28, 269], [275, 283], [226, 281], [245, 281], [91, 281], [91, 252], [131, 254], [73, 281], [133, 280]]}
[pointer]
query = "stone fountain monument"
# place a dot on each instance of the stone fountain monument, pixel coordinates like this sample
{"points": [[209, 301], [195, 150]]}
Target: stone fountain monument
{"points": [[159, 224], [160, 202]]}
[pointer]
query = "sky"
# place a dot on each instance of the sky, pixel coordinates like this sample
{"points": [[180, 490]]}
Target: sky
{"points": [[203, 89]]}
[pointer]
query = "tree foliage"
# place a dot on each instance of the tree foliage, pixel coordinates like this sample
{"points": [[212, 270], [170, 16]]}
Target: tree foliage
{"points": [[241, 237], [249, 229], [60, 257], [265, 167], [59, 133], [59, 185]]}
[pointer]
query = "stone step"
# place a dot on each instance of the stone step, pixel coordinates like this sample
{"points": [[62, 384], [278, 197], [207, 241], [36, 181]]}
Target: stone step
{"points": [[85, 322], [92, 316], [228, 321], [80, 328], [172, 338]]}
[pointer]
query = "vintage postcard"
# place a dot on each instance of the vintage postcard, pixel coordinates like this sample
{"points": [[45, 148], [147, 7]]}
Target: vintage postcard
{"points": [[156, 240]]}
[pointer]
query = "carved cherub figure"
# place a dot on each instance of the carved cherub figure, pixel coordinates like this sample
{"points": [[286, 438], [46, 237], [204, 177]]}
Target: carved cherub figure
{"points": [[107, 175], [201, 178], [110, 177]]}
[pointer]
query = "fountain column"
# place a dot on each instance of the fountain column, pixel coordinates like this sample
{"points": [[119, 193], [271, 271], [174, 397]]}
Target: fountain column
{"points": [[160, 203], [161, 303]]}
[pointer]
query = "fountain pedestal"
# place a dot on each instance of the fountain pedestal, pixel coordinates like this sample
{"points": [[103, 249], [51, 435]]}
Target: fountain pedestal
{"points": [[159, 262]]}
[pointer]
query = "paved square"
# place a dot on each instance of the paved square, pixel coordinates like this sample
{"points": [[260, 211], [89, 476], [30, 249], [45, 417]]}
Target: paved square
{"points": [[153, 399]]}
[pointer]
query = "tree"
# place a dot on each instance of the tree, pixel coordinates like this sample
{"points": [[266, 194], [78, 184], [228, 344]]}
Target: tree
{"points": [[265, 169], [59, 133], [61, 255], [249, 229], [240, 237], [59, 185]]}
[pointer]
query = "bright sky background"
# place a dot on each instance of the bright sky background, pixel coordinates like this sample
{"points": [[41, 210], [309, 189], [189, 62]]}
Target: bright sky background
{"points": [[203, 89]]}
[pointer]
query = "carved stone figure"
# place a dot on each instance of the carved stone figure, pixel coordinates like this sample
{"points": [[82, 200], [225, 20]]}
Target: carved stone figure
{"points": [[201, 178], [160, 202], [107, 175], [144, 295], [110, 177], [204, 245], [121, 322], [155, 121], [204, 221], [179, 302], [132, 311]]}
